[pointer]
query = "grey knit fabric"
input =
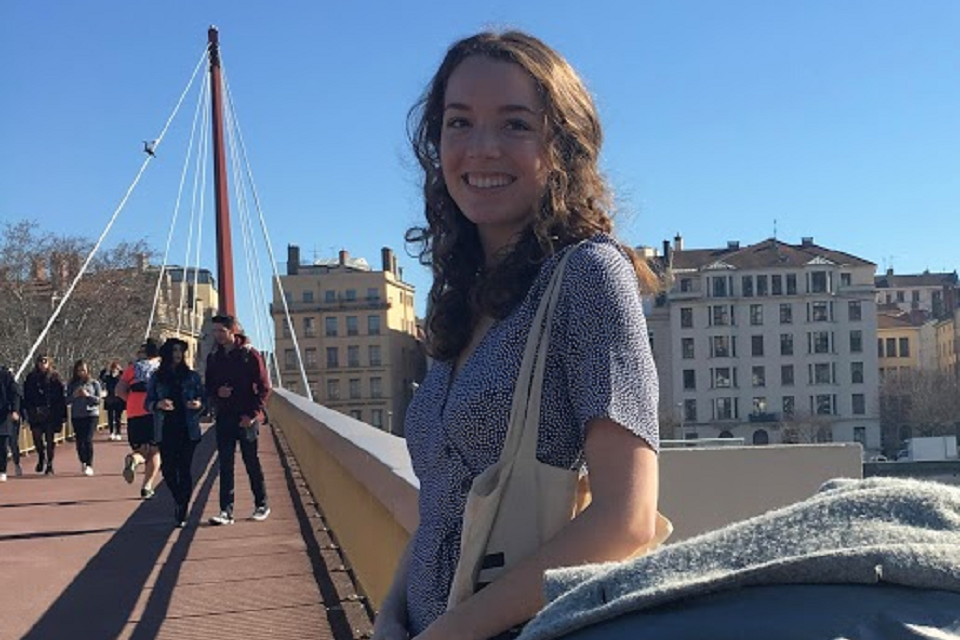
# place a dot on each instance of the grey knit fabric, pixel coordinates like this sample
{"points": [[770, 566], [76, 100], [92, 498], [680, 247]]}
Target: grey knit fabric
{"points": [[879, 530]]}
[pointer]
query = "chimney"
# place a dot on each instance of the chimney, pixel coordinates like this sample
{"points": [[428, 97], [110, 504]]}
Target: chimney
{"points": [[293, 259], [806, 241], [667, 253], [344, 256], [386, 258], [733, 244], [678, 242], [60, 273], [889, 272], [142, 262], [38, 269]]}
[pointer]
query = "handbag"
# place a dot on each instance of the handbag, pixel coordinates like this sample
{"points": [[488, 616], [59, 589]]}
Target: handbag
{"points": [[519, 503]]}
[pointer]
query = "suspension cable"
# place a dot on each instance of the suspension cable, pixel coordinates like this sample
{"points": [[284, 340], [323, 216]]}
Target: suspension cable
{"points": [[176, 208], [113, 218], [273, 262]]}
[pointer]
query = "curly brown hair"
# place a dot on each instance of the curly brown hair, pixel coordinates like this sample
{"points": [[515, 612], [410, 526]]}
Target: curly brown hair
{"points": [[576, 204]]}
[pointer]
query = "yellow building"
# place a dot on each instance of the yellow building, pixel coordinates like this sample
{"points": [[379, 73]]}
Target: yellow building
{"points": [[188, 299], [948, 342], [357, 334], [905, 342]]}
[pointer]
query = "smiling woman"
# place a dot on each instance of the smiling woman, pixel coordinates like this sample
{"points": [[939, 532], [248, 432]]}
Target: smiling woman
{"points": [[508, 139]]}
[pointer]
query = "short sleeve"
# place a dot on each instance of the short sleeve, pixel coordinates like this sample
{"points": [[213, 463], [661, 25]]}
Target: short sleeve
{"points": [[605, 348]]}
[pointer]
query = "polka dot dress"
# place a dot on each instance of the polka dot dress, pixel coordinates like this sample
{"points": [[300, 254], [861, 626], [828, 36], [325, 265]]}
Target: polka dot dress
{"points": [[599, 365]]}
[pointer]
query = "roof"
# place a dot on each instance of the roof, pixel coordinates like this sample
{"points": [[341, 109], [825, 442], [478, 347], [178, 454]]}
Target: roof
{"points": [[770, 253], [925, 279]]}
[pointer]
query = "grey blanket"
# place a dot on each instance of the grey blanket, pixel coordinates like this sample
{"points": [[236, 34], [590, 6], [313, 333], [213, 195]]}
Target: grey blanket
{"points": [[879, 530]]}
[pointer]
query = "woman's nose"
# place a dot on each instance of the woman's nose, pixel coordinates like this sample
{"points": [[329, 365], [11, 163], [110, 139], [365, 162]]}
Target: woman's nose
{"points": [[483, 142]]}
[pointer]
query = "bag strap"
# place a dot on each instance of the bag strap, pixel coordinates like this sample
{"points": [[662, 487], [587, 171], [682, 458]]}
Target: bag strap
{"points": [[524, 425]]}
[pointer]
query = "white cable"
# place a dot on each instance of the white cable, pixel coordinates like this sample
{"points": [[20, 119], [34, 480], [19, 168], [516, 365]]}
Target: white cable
{"points": [[113, 218], [197, 193], [176, 208], [273, 262]]}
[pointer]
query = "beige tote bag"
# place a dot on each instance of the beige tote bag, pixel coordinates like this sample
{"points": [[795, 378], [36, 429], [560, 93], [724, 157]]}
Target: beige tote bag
{"points": [[519, 503]]}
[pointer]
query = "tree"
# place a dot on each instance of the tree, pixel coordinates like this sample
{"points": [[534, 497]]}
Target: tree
{"points": [[106, 315], [803, 427], [918, 404]]}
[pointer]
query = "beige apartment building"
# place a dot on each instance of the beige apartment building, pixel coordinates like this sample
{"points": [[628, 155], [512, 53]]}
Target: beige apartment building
{"points": [[767, 342], [905, 342], [188, 300], [357, 333], [937, 294]]}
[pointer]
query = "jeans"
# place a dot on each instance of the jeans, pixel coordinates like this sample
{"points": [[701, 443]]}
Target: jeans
{"points": [[113, 419], [176, 458], [83, 429], [11, 443], [229, 432], [43, 434]]}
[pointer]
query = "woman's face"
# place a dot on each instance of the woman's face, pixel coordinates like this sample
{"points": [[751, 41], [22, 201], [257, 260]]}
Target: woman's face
{"points": [[43, 364], [81, 371], [176, 354], [492, 147]]}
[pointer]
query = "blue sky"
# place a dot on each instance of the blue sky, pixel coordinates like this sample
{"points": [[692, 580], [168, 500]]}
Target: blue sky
{"points": [[839, 120]]}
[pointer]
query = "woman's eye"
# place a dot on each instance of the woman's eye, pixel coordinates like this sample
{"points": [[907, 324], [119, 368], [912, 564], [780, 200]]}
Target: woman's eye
{"points": [[456, 123], [518, 125]]}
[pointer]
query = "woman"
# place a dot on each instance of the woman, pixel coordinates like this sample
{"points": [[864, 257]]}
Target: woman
{"points": [[10, 400], [46, 409], [174, 396], [509, 139], [113, 403], [83, 394]]}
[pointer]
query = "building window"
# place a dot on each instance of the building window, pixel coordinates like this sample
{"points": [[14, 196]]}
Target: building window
{"points": [[354, 388], [374, 353], [289, 359], [333, 360], [724, 408], [860, 435], [686, 318], [818, 282], [756, 346], [821, 373], [351, 295], [333, 389], [376, 418], [776, 285], [819, 342], [329, 296], [721, 347], [791, 284], [721, 378], [900, 297], [786, 313], [891, 347], [859, 404], [376, 387], [786, 344], [311, 358], [373, 325], [879, 347], [356, 414], [759, 405], [686, 285], [756, 314], [719, 316], [690, 410], [856, 372], [786, 375], [845, 280], [824, 403], [761, 285], [904, 347], [759, 375], [854, 311], [746, 286], [330, 327], [856, 341], [308, 296], [819, 312], [310, 327], [789, 406], [686, 348], [286, 328], [719, 287], [353, 327], [689, 379], [373, 294], [353, 355]]}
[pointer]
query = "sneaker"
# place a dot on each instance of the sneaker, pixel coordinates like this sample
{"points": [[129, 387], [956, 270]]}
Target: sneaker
{"points": [[3, 477], [39, 467], [17, 470], [146, 493], [129, 468], [87, 470], [49, 470], [224, 517], [261, 513]]}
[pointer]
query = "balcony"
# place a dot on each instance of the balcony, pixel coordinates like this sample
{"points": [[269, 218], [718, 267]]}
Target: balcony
{"points": [[319, 306], [764, 416]]}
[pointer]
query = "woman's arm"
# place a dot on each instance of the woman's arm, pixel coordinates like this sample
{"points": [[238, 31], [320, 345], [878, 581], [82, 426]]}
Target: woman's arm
{"points": [[620, 519], [391, 622]]}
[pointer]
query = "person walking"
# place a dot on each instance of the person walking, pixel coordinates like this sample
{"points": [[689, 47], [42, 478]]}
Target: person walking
{"points": [[175, 398], [141, 435], [237, 386], [10, 398], [113, 403], [83, 394], [46, 408]]}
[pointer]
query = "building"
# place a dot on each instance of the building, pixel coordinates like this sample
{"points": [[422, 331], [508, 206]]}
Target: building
{"points": [[948, 344], [906, 341], [938, 294], [770, 342], [357, 335], [188, 300]]}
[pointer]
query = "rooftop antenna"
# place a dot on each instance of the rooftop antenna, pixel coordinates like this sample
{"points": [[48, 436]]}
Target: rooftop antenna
{"points": [[774, 229]]}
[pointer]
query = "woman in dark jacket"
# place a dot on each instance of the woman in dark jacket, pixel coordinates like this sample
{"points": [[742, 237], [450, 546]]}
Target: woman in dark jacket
{"points": [[9, 422], [175, 397], [44, 402], [113, 403]]}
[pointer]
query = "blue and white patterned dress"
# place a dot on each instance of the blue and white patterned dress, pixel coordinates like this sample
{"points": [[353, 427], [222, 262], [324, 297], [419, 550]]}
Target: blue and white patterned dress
{"points": [[599, 365]]}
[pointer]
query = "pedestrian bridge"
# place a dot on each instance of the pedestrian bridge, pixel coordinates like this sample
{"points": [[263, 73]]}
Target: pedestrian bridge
{"points": [[86, 558]]}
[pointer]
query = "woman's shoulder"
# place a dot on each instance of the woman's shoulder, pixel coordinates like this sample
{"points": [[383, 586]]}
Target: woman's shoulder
{"points": [[596, 258]]}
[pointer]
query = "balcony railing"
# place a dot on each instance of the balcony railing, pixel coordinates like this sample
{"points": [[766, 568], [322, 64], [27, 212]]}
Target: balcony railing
{"points": [[764, 416]]}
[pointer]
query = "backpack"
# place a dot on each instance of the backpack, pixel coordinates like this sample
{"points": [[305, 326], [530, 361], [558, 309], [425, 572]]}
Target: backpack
{"points": [[143, 370]]}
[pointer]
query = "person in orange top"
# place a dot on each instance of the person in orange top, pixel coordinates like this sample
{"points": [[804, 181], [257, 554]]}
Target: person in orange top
{"points": [[141, 435]]}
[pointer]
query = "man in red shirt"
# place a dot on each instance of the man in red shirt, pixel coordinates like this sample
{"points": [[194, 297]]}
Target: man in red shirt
{"points": [[237, 385], [132, 388]]}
